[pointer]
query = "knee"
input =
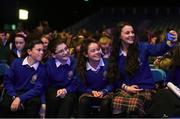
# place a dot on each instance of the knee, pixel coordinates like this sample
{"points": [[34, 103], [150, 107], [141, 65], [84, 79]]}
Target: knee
{"points": [[70, 100], [106, 103], [83, 100]]}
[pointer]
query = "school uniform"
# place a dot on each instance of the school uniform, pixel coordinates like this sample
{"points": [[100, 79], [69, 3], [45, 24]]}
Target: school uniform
{"points": [[60, 76], [13, 55], [128, 102], [27, 82], [95, 80], [4, 50]]}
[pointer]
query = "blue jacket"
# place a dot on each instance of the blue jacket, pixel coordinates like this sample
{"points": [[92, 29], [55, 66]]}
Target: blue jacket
{"points": [[24, 80], [95, 80], [143, 77], [62, 76]]}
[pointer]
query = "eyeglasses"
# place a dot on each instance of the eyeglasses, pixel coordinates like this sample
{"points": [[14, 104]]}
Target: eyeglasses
{"points": [[19, 42], [66, 49]]}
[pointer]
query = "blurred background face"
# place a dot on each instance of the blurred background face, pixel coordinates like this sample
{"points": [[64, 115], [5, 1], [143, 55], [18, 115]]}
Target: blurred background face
{"points": [[153, 40], [2, 36], [94, 52], [127, 34], [78, 47], [19, 43], [105, 48], [45, 42]]}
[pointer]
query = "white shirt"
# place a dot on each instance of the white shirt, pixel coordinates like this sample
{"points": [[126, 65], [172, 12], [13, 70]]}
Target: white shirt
{"points": [[35, 65], [18, 53], [89, 67], [122, 53], [58, 63]]}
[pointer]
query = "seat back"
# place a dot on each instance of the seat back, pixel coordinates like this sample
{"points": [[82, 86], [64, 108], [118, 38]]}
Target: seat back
{"points": [[158, 74], [3, 68]]}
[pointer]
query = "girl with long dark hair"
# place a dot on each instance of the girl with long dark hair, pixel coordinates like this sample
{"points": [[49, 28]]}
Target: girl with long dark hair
{"points": [[130, 70], [95, 89]]}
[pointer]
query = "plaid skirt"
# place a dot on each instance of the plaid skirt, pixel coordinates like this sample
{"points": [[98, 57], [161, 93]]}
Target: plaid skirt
{"points": [[130, 102]]}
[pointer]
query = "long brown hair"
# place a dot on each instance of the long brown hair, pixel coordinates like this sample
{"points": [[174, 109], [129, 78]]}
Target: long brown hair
{"points": [[81, 62], [132, 62]]}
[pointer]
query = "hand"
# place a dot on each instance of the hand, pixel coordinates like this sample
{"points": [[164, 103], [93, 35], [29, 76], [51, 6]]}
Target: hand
{"points": [[61, 93], [101, 94], [98, 94], [15, 104], [172, 38], [42, 111], [95, 93], [133, 89], [157, 61]]}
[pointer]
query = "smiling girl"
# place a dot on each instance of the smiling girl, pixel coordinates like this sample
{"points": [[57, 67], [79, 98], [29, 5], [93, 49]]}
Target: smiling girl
{"points": [[94, 87], [130, 69]]}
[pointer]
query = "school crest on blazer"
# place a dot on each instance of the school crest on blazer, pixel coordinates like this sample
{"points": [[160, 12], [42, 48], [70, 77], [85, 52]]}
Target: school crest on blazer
{"points": [[140, 62], [70, 75], [104, 75], [33, 79]]}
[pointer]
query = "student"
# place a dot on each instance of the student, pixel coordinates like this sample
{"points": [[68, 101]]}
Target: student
{"points": [[94, 87], [61, 96], [105, 44], [45, 39], [5, 47], [24, 84], [19, 44], [129, 67]]}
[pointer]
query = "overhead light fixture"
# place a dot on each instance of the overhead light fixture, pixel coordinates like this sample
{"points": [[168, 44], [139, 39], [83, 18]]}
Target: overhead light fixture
{"points": [[23, 14]]}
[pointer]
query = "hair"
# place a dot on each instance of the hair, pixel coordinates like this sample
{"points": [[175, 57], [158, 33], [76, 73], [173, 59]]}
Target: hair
{"points": [[76, 42], [81, 63], [30, 45], [104, 40], [132, 62], [21, 36], [45, 36], [157, 34], [54, 43]]}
